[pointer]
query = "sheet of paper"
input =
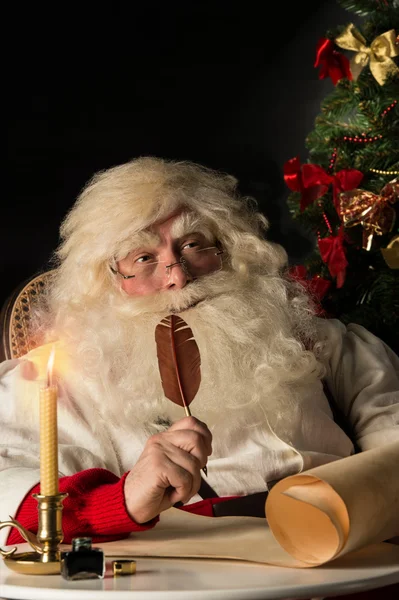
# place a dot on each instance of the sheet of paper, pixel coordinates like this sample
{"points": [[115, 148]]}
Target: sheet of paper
{"points": [[312, 518], [338, 507], [185, 535]]}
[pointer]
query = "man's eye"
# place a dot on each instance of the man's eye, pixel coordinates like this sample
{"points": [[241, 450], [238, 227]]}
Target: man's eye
{"points": [[191, 245], [144, 258]]}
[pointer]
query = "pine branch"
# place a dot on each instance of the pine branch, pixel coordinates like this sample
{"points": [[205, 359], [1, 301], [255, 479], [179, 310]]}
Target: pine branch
{"points": [[358, 128], [364, 8]]}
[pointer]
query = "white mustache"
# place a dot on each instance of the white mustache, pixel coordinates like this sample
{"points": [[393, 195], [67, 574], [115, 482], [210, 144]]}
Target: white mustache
{"points": [[176, 301]]}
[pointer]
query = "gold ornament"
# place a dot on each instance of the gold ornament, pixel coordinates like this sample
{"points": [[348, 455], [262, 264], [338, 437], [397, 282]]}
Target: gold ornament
{"points": [[391, 253], [373, 211], [379, 54]]}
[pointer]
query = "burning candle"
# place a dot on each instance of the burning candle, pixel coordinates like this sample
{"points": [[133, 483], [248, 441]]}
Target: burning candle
{"points": [[49, 434]]}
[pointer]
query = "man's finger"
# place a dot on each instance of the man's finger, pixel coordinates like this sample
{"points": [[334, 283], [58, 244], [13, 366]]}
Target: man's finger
{"points": [[191, 442], [193, 424], [181, 473]]}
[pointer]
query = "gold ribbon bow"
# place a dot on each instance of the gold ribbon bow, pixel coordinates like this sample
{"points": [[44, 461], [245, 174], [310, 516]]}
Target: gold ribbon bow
{"points": [[373, 211], [379, 54]]}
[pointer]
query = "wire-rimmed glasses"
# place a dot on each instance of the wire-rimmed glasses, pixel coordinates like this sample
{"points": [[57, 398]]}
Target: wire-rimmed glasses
{"points": [[195, 262]]}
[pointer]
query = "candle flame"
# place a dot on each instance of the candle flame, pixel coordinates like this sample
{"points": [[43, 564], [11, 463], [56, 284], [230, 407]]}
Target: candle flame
{"points": [[50, 366]]}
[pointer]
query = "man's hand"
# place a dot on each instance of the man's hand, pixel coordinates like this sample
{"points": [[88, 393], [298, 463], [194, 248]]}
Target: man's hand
{"points": [[168, 470]]}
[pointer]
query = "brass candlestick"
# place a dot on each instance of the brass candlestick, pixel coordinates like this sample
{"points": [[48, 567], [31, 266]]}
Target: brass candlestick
{"points": [[45, 558]]}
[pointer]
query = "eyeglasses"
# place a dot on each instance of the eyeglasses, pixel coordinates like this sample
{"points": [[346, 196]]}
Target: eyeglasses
{"points": [[195, 262]]}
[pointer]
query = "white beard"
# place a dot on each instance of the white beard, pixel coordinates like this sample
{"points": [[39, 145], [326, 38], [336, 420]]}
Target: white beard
{"points": [[253, 367]]}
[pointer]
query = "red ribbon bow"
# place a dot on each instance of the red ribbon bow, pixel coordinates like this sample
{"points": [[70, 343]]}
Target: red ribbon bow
{"points": [[333, 255], [331, 62], [312, 181], [316, 286]]}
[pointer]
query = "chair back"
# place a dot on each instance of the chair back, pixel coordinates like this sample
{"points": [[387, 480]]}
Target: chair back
{"points": [[15, 317]]}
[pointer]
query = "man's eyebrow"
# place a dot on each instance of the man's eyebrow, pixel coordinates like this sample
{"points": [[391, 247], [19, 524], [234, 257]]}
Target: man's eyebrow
{"points": [[189, 223], [145, 238]]}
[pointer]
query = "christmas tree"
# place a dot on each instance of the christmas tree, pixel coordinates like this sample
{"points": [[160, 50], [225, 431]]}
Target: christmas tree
{"points": [[345, 194]]}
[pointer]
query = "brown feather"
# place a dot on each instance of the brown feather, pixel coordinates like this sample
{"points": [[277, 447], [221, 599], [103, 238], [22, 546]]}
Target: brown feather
{"points": [[179, 364], [179, 360]]}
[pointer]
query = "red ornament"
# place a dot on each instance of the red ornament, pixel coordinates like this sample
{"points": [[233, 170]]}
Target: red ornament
{"points": [[333, 255], [316, 286], [294, 180], [332, 63], [312, 181]]}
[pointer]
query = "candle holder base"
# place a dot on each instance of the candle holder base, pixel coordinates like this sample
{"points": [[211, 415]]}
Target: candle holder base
{"points": [[32, 563], [44, 559]]}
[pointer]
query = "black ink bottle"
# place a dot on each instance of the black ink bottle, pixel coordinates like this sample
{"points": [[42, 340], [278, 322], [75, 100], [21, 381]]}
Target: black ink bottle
{"points": [[83, 561]]}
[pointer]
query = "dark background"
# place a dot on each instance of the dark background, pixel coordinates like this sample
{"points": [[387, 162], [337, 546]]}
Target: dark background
{"points": [[227, 84]]}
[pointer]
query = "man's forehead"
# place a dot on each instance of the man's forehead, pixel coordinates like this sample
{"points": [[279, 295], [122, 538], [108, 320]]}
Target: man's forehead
{"points": [[183, 222], [177, 224]]}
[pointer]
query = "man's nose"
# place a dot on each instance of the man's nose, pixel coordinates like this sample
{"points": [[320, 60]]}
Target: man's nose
{"points": [[176, 276]]}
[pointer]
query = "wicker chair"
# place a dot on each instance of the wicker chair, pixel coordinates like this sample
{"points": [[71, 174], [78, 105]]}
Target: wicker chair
{"points": [[15, 317]]}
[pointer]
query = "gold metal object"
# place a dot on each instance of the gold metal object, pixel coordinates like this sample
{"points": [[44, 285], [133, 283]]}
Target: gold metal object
{"points": [[123, 567], [45, 559], [391, 253], [380, 172]]}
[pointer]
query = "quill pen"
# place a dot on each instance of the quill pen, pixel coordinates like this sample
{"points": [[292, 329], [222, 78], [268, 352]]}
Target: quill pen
{"points": [[179, 361]]}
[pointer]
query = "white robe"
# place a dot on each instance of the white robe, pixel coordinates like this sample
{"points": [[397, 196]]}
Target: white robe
{"points": [[362, 375]]}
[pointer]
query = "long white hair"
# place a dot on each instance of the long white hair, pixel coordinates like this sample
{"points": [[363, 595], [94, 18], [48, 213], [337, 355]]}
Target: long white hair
{"points": [[121, 201], [253, 296]]}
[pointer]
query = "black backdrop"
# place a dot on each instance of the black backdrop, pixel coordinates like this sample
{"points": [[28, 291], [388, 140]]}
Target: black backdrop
{"points": [[223, 83]]}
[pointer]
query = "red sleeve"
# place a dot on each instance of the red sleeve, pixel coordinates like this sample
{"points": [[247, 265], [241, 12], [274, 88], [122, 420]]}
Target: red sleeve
{"points": [[95, 507], [204, 507]]}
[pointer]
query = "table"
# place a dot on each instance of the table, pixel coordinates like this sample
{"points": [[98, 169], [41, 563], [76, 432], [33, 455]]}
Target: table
{"points": [[205, 579]]}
